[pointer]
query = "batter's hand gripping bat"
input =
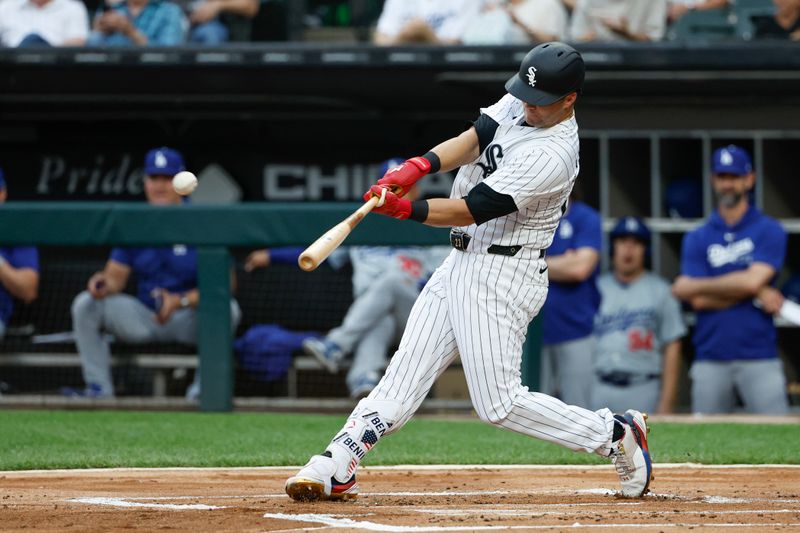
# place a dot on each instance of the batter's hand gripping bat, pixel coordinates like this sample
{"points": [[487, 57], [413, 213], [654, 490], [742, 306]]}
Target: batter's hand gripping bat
{"points": [[320, 249]]}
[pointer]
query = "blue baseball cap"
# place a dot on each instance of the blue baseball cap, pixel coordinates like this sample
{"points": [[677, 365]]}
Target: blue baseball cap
{"points": [[731, 159], [163, 161], [2, 180], [633, 226]]}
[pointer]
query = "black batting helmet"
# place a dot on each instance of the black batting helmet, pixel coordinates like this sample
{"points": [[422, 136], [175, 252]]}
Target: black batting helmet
{"points": [[547, 74]]}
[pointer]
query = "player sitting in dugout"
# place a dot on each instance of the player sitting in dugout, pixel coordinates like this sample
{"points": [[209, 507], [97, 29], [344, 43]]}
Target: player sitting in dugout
{"points": [[164, 308]]}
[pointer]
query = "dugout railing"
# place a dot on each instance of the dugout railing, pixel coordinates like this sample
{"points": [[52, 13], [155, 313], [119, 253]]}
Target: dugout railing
{"points": [[213, 230]]}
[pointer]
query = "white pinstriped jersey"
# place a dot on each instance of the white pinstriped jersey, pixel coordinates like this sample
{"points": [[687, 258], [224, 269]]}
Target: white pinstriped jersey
{"points": [[537, 167]]}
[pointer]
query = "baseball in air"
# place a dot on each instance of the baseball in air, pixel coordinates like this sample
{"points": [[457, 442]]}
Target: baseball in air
{"points": [[184, 182]]}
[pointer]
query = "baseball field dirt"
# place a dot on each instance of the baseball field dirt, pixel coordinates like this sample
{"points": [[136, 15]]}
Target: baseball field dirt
{"points": [[683, 497]]}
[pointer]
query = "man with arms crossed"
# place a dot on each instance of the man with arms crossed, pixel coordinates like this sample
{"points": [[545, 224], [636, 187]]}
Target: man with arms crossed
{"points": [[728, 265]]}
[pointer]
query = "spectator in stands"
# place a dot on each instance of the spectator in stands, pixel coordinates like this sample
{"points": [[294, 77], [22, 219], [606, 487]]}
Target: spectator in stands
{"points": [[19, 272], [572, 302], [727, 268], [784, 24], [139, 22], [167, 295], [614, 20], [638, 328], [43, 23], [518, 22], [205, 16], [678, 8], [425, 21]]}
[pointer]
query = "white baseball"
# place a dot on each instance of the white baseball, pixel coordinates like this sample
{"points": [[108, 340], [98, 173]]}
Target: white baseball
{"points": [[184, 182]]}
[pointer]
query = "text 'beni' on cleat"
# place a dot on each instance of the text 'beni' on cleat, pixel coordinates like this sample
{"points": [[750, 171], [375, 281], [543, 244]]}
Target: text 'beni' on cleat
{"points": [[315, 482], [631, 456]]}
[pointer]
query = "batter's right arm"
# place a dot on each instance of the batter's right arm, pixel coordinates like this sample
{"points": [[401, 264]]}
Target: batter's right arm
{"points": [[446, 156], [458, 151]]}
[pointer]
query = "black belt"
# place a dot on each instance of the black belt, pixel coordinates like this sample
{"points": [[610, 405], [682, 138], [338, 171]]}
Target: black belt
{"points": [[460, 241], [626, 379]]}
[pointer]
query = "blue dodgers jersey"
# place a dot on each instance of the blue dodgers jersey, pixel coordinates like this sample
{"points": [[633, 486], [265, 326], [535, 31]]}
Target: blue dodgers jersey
{"points": [[18, 257], [742, 331], [173, 268], [570, 307]]}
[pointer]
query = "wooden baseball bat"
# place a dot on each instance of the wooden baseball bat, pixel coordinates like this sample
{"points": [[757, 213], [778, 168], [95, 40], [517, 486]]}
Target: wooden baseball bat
{"points": [[320, 249]]}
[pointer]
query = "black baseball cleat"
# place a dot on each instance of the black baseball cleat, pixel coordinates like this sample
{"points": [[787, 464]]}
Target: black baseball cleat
{"points": [[631, 456]]}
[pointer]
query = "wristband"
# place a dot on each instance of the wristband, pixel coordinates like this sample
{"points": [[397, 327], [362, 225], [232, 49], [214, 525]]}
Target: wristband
{"points": [[433, 159], [419, 211], [2, 260]]}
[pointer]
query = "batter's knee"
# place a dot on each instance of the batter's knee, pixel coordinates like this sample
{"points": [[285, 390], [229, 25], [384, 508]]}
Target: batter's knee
{"points": [[494, 414]]}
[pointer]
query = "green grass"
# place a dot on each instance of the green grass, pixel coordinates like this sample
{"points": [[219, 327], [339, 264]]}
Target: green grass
{"points": [[84, 439]]}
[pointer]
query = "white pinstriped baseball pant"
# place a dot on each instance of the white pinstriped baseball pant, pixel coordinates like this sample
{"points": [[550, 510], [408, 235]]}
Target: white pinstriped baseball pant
{"points": [[479, 306]]}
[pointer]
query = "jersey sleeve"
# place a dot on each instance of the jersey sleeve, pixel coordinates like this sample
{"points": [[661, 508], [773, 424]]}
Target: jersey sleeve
{"points": [[485, 128], [589, 233], [529, 178], [771, 247], [693, 257], [671, 326], [25, 257], [121, 255], [503, 110]]}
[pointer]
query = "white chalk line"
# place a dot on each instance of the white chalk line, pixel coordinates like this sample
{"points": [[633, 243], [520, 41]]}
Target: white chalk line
{"points": [[123, 502], [656, 466], [535, 513], [350, 524], [721, 500]]}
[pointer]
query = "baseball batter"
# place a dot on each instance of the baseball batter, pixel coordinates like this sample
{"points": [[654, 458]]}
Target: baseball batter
{"points": [[518, 162]]}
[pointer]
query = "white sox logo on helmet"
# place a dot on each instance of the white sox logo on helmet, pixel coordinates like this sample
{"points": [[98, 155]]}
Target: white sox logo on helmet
{"points": [[532, 76]]}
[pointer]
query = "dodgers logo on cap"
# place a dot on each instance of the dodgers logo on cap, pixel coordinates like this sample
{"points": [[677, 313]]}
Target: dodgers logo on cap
{"points": [[163, 161], [732, 159]]}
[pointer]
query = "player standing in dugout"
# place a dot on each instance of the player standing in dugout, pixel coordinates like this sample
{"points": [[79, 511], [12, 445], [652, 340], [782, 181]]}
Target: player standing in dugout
{"points": [[519, 161]]}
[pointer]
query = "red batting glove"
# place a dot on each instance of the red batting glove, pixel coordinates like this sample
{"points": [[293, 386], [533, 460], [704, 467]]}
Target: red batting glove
{"points": [[401, 178], [392, 206]]}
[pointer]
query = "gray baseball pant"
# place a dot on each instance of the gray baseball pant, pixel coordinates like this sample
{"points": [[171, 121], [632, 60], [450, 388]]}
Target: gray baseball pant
{"points": [[761, 384], [129, 320], [642, 396], [567, 371]]}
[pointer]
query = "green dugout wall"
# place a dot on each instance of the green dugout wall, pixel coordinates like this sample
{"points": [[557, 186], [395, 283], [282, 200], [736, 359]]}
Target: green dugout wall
{"points": [[212, 229]]}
